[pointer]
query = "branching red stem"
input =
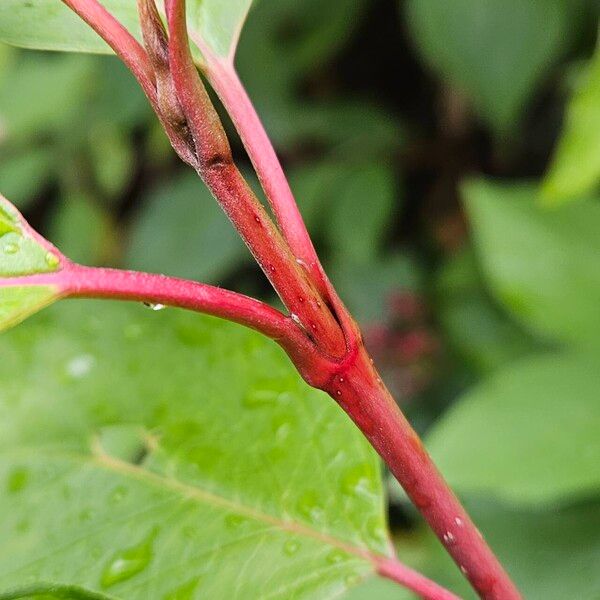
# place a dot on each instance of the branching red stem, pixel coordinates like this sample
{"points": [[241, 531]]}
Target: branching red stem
{"points": [[215, 165], [225, 81], [413, 580], [89, 282]]}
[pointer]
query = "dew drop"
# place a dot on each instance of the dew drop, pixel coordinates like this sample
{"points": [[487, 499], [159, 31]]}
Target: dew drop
{"points": [[335, 557], [358, 481], [118, 494], [459, 522], [310, 508], [295, 318], [52, 260], [449, 538], [11, 248], [128, 562], [463, 570], [154, 306], [80, 366], [338, 392], [375, 530], [86, 515], [17, 480], [183, 592], [291, 547], [233, 521]]}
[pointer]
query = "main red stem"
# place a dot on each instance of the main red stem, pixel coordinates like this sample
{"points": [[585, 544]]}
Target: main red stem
{"points": [[358, 389]]}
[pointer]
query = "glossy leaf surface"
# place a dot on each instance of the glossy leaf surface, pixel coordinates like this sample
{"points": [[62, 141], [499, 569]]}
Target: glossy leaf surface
{"points": [[154, 453]]}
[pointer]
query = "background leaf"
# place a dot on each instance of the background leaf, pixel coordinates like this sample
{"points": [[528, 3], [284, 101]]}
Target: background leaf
{"points": [[543, 265], [575, 169], [528, 434], [496, 52], [50, 25], [176, 451], [183, 232]]}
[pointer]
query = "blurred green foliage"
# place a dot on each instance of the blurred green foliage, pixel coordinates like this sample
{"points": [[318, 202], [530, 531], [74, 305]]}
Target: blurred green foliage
{"points": [[447, 164]]}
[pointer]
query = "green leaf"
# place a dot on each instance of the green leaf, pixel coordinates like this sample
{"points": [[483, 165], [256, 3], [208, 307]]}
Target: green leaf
{"points": [[183, 232], [24, 174], [21, 254], [50, 25], [154, 453], [367, 287], [575, 169], [44, 94], [361, 213], [496, 52], [81, 228], [19, 302], [543, 265], [484, 335], [528, 434]]}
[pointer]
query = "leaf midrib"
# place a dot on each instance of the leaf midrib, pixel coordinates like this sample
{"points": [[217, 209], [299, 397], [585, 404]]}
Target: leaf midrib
{"points": [[100, 459]]}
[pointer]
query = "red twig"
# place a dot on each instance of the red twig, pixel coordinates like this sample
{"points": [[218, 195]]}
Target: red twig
{"points": [[412, 580], [215, 165], [226, 83], [89, 282]]}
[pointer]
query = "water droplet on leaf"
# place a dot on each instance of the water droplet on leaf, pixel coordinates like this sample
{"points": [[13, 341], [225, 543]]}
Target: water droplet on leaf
{"points": [[52, 260], [11, 248], [128, 563], [118, 494], [291, 547], [80, 366], [154, 306], [233, 521], [335, 557], [17, 480], [183, 592], [310, 508]]}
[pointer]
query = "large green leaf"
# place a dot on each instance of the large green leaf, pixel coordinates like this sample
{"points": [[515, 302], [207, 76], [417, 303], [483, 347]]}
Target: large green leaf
{"points": [[495, 51], [528, 434], [21, 254], [50, 25], [575, 169], [154, 453], [544, 265]]}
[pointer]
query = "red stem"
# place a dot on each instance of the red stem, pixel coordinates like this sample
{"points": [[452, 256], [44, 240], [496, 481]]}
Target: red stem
{"points": [[216, 167], [119, 39], [413, 580], [355, 385], [88, 282], [225, 81]]}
